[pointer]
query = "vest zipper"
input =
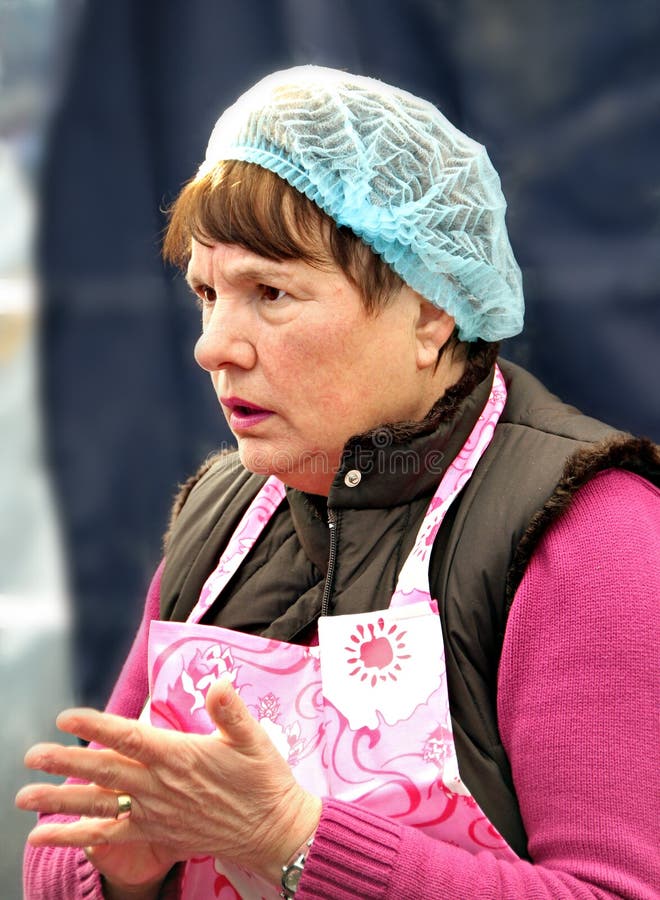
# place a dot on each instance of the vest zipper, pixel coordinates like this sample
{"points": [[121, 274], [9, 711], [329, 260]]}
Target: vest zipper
{"points": [[333, 525]]}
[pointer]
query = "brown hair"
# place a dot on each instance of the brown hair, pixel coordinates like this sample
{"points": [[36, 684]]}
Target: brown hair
{"points": [[245, 204], [242, 203]]}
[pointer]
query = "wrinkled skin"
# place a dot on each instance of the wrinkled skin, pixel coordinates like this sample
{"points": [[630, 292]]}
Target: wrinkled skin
{"points": [[229, 794]]}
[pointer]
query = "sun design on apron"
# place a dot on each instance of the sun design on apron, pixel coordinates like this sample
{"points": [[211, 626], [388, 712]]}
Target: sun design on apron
{"points": [[376, 652]]}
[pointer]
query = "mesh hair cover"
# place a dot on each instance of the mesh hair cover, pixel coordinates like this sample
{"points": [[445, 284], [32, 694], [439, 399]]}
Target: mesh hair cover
{"points": [[389, 166]]}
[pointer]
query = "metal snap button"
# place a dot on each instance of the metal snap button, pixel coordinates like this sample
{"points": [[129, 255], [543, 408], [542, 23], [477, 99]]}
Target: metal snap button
{"points": [[352, 478]]}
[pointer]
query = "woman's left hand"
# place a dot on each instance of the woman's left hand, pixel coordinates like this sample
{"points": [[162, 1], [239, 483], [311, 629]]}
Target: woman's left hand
{"points": [[229, 794]]}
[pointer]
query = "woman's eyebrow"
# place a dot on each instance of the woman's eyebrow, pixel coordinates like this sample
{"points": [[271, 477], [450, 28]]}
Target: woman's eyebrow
{"points": [[247, 271], [252, 272]]}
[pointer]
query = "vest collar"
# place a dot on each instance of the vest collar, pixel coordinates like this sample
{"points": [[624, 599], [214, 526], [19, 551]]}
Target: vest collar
{"points": [[396, 464]]}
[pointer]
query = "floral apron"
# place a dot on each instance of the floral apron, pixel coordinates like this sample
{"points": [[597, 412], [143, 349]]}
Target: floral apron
{"points": [[363, 716]]}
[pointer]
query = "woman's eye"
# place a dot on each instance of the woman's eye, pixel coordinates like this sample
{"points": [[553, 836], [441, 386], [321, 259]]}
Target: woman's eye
{"points": [[270, 293], [207, 294]]}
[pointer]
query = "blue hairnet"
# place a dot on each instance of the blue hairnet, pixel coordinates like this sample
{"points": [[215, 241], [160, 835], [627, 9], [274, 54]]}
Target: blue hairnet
{"points": [[389, 166]]}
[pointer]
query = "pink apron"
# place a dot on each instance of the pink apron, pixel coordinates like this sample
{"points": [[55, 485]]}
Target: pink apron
{"points": [[363, 716]]}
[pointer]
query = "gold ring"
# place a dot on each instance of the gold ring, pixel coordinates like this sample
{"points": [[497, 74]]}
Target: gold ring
{"points": [[124, 806]]}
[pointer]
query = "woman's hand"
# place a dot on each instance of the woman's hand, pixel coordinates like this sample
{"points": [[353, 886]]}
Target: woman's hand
{"points": [[229, 794]]}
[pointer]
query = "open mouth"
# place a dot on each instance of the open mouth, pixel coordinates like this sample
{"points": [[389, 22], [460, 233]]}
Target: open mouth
{"points": [[244, 410], [242, 414]]}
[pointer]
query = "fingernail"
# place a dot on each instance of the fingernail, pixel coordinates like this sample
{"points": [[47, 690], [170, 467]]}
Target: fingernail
{"points": [[33, 761], [225, 698], [23, 800]]}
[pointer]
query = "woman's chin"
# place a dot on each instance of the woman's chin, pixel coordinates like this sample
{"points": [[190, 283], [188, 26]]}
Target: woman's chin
{"points": [[308, 472]]}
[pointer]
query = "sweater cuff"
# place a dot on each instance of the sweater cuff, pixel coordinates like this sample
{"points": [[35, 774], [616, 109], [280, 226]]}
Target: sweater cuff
{"points": [[352, 855], [89, 878]]}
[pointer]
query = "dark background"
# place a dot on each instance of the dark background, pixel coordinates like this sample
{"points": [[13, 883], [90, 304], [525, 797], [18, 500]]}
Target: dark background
{"points": [[565, 95]]}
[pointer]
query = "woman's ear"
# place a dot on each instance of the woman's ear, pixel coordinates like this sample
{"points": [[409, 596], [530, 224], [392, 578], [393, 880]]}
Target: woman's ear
{"points": [[434, 328]]}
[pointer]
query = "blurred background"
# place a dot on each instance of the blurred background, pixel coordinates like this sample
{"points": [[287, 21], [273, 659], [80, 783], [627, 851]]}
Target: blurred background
{"points": [[105, 109]]}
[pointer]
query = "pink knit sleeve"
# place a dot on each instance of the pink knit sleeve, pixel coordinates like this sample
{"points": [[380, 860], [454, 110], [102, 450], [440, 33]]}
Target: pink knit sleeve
{"points": [[577, 707], [54, 873]]}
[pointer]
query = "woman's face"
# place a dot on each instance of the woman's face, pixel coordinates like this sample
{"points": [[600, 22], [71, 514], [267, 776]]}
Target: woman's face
{"points": [[297, 363]]}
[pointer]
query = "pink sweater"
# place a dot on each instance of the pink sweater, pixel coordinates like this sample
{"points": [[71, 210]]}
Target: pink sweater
{"points": [[578, 715]]}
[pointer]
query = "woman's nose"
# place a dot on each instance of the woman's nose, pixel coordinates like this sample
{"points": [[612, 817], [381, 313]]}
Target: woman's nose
{"points": [[225, 340]]}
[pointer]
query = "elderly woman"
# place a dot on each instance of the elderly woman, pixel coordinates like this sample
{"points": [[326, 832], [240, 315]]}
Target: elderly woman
{"points": [[401, 643]]}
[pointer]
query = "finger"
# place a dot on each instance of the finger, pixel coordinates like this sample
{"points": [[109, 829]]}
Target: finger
{"points": [[104, 767], [132, 739], [68, 800], [82, 833], [232, 716]]}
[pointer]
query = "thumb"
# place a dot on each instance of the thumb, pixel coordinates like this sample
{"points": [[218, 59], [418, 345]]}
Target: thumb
{"points": [[96, 853], [230, 714]]}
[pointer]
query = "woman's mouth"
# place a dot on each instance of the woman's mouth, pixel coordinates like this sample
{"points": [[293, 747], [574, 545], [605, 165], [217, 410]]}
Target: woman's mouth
{"points": [[242, 414]]}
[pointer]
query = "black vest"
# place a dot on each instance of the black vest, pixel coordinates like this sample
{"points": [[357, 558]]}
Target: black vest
{"points": [[541, 452]]}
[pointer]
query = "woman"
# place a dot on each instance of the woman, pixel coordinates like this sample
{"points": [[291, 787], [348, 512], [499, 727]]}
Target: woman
{"points": [[386, 653]]}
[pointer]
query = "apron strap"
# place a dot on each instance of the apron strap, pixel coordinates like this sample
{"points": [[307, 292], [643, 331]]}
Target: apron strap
{"points": [[413, 582]]}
